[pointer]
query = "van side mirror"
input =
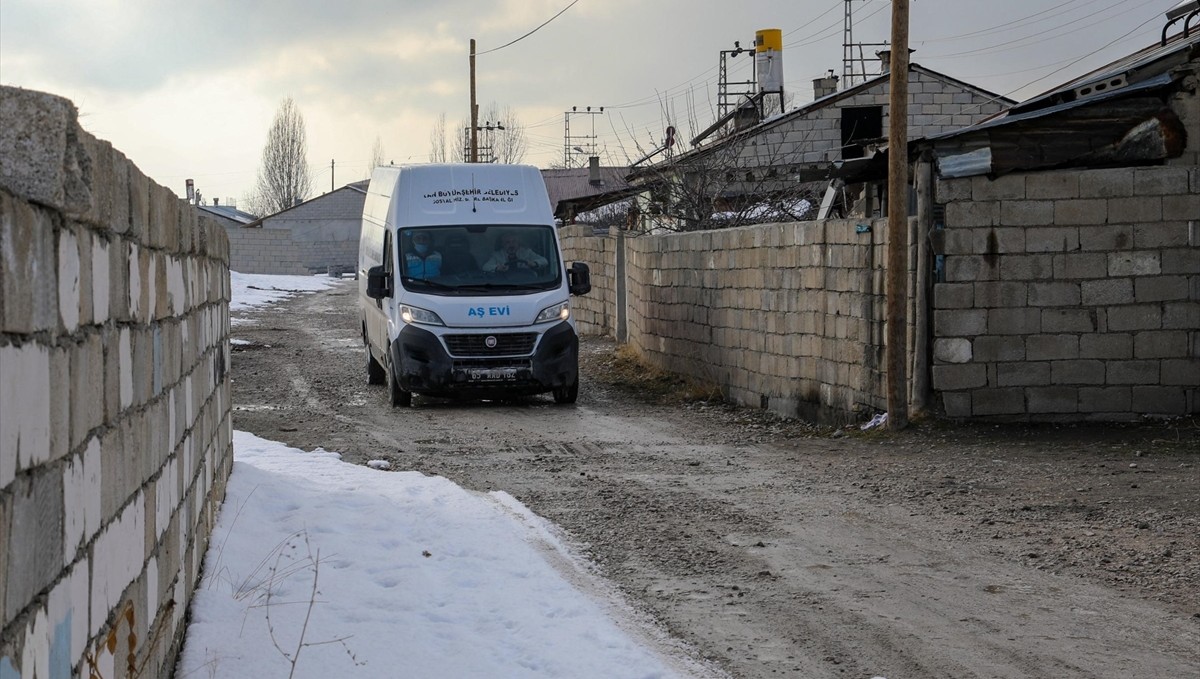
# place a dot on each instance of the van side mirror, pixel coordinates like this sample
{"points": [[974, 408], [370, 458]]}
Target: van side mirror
{"points": [[579, 279], [379, 284]]}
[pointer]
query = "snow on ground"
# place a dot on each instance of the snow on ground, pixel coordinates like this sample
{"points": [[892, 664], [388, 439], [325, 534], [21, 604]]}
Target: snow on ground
{"points": [[361, 571], [251, 290]]}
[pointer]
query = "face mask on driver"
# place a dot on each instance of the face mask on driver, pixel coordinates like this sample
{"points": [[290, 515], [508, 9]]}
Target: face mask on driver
{"points": [[421, 248]]}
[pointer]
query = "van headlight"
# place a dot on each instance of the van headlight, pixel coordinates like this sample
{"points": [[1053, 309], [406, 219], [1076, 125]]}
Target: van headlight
{"points": [[558, 312], [412, 314]]}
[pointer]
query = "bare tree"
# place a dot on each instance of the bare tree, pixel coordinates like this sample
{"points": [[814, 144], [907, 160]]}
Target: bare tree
{"points": [[737, 178], [740, 181], [508, 140], [460, 150], [437, 140], [284, 179], [376, 155]]}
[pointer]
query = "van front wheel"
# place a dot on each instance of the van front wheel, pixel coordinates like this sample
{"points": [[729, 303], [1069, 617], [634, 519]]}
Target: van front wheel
{"points": [[568, 394], [399, 397], [375, 372]]}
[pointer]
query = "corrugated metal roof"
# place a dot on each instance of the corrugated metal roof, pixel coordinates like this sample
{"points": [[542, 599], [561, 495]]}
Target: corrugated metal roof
{"points": [[1011, 116], [574, 183], [1131, 70], [1112, 114]]}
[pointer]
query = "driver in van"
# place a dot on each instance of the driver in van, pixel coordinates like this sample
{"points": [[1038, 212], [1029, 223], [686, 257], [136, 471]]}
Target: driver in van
{"points": [[422, 261], [513, 255]]}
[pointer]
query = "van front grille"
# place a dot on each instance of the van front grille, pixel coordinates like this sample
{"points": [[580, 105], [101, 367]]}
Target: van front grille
{"points": [[508, 344]]}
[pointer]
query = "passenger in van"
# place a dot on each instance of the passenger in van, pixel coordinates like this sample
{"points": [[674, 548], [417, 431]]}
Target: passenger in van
{"points": [[457, 257], [422, 261], [513, 255]]}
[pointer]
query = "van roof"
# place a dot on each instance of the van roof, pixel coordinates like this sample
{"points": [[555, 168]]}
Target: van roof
{"points": [[460, 193]]}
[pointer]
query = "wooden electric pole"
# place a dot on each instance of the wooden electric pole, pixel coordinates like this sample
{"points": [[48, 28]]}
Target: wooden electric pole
{"points": [[474, 151], [897, 232]]}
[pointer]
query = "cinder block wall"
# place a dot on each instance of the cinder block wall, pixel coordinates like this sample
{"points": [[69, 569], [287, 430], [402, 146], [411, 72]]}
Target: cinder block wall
{"points": [[115, 436], [1070, 295], [278, 251], [788, 317], [594, 312]]}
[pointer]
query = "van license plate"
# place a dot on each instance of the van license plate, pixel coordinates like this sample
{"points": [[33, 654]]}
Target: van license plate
{"points": [[492, 374]]}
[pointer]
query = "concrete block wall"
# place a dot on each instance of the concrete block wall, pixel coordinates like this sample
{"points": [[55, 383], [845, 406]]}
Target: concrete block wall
{"points": [[115, 436], [1070, 295], [595, 312], [309, 238], [278, 251], [788, 317]]}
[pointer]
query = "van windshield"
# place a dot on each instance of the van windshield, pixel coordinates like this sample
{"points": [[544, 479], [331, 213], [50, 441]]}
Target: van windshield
{"points": [[479, 259]]}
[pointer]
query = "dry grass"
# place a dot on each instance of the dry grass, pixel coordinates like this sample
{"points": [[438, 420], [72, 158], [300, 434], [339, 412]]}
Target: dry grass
{"points": [[623, 368]]}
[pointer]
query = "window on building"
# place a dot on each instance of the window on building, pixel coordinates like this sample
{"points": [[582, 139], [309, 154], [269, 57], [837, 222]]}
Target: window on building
{"points": [[860, 124]]}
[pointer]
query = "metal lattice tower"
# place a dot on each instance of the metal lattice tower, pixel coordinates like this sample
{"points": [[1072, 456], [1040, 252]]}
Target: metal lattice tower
{"points": [[728, 100], [581, 144], [854, 63]]}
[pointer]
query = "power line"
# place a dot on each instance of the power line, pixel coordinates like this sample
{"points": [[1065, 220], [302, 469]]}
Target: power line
{"points": [[1055, 32], [495, 49], [1015, 22]]}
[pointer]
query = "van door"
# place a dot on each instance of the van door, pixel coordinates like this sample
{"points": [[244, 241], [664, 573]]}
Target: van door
{"points": [[378, 328]]}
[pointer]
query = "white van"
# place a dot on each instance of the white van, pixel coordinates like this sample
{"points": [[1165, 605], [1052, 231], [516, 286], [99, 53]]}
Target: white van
{"points": [[462, 284]]}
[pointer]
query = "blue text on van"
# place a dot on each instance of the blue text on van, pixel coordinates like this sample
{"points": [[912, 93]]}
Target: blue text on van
{"points": [[490, 311]]}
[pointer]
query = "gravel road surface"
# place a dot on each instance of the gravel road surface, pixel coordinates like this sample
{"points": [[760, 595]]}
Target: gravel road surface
{"points": [[774, 548]]}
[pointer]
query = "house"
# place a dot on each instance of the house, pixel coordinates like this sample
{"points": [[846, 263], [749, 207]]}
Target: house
{"points": [[792, 156], [574, 191], [1070, 248], [319, 235]]}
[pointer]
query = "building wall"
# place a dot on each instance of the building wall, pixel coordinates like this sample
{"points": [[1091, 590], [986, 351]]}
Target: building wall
{"points": [[934, 106], [787, 317], [1070, 295], [309, 238], [115, 436]]}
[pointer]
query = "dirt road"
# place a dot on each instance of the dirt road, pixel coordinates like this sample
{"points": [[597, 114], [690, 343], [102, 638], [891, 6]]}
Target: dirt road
{"points": [[777, 549]]}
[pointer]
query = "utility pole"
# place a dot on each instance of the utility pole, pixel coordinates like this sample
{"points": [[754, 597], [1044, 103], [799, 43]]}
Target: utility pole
{"points": [[897, 229], [474, 155], [331, 175]]}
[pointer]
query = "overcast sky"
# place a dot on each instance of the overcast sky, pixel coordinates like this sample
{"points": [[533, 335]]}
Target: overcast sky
{"points": [[189, 89]]}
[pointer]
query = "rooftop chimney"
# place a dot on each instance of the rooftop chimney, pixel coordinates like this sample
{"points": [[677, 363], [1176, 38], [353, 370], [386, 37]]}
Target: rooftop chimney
{"points": [[216, 202], [594, 171], [823, 87], [885, 60]]}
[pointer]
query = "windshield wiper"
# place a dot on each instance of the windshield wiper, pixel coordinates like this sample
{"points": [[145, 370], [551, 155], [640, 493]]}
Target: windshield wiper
{"points": [[503, 286], [426, 281]]}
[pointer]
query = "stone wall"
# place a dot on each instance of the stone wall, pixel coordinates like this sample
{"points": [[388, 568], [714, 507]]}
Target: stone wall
{"points": [[788, 317], [1070, 295], [115, 436]]}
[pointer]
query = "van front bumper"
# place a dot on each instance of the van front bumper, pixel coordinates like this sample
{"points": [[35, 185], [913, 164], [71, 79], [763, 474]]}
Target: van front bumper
{"points": [[426, 367]]}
